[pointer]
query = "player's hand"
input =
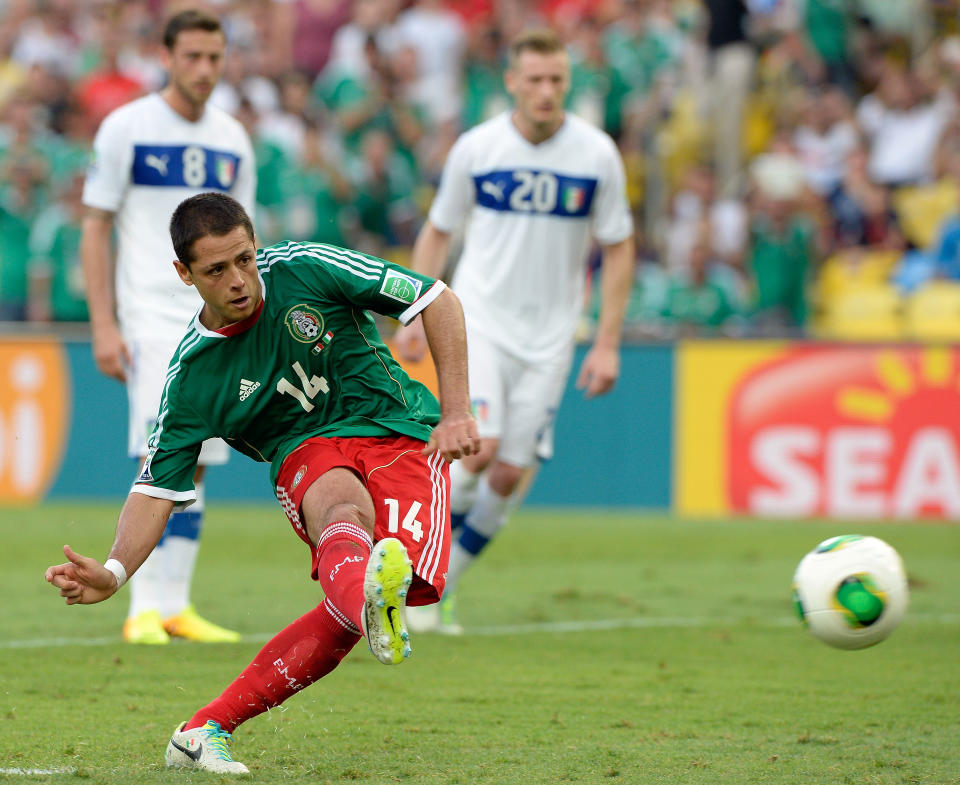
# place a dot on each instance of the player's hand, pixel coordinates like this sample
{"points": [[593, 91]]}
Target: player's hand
{"points": [[82, 580], [454, 437], [411, 341], [110, 351], [599, 372]]}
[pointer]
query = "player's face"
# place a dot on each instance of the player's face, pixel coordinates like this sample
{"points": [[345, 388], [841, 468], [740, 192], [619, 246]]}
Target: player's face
{"points": [[224, 270], [195, 64], [539, 84]]}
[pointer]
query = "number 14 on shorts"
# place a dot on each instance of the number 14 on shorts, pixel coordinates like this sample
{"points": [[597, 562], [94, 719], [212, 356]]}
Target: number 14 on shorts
{"points": [[410, 522]]}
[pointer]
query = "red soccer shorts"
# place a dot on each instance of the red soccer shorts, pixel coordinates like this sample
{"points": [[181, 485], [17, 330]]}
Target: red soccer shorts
{"points": [[410, 495]]}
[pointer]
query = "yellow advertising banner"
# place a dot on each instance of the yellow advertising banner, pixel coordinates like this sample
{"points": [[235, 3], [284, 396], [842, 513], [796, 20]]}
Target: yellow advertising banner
{"points": [[35, 401], [800, 429]]}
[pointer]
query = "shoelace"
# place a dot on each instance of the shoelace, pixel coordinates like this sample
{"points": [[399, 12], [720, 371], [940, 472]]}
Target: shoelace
{"points": [[217, 739]]}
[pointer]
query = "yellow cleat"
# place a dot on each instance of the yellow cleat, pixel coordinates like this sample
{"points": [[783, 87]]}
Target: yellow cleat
{"points": [[146, 627], [385, 585], [190, 625]]}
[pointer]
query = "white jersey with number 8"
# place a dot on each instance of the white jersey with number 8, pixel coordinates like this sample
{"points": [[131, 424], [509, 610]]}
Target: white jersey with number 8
{"points": [[147, 159]]}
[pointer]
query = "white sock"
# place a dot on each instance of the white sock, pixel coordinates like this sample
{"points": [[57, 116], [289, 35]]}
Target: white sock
{"points": [[145, 591], [180, 558], [487, 516]]}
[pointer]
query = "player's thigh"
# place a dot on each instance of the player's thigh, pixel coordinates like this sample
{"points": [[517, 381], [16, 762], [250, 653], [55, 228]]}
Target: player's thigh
{"points": [[410, 494], [489, 376], [146, 376], [301, 469], [336, 495], [531, 408]]}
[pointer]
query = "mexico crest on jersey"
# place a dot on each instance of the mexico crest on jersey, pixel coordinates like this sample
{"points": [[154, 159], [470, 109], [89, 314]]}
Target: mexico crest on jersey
{"points": [[304, 323]]}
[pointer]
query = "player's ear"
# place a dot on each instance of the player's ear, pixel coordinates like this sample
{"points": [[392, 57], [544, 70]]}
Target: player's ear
{"points": [[509, 80], [183, 271]]}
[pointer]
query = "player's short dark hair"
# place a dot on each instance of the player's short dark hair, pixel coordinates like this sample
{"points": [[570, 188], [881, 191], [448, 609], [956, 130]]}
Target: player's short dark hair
{"points": [[190, 19], [543, 41], [209, 214]]}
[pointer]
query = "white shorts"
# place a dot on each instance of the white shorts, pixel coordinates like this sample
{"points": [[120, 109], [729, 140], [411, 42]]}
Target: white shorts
{"points": [[149, 359], [515, 401]]}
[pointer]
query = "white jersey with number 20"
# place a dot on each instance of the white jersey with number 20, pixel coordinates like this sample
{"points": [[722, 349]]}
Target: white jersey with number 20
{"points": [[532, 211]]}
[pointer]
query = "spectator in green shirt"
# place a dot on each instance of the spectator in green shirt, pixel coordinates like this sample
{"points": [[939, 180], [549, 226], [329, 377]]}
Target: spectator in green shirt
{"points": [[484, 92], [384, 189], [19, 205], [699, 302], [56, 284]]}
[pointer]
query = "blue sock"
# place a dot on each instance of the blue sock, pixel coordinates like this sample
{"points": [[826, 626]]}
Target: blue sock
{"points": [[185, 524], [457, 519], [471, 540]]}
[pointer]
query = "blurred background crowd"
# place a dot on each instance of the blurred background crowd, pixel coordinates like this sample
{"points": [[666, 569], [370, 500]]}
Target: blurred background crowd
{"points": [[792, 164]]}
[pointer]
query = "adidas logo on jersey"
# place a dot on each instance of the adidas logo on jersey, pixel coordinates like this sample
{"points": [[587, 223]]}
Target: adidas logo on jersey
{"points": [[247, 388]]}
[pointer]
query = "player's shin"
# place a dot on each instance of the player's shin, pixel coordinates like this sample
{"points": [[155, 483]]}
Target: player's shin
{"points": [[144, 625], [487, 516], [463, 493], [295, 657], [181, 545], [342, 555]]}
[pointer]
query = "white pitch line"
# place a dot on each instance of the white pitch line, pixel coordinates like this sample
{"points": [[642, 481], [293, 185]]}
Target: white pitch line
{"points": [[37, 772], [533, 628]]}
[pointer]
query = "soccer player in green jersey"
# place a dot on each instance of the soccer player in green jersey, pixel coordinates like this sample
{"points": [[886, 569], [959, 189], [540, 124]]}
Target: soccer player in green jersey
{"points": [[284, 362]]}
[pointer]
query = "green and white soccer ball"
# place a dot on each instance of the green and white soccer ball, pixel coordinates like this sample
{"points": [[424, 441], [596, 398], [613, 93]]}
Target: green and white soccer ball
{"points": [[851, 591]]}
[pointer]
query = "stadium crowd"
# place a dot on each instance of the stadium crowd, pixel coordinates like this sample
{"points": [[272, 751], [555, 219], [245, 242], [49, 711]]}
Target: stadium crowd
{"points": [[792, 164]]}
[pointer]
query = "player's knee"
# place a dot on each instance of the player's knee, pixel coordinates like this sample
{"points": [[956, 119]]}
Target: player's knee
{"points": [[348, 511], [503, 478]]}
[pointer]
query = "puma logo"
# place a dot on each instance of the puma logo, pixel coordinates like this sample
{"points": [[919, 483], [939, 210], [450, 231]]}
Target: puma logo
{"points": [[348, 560], [157, 162], [496, 191]]}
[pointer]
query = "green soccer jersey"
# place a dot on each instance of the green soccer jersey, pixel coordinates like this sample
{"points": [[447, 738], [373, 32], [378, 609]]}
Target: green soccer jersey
{"points": [[310, 362]]}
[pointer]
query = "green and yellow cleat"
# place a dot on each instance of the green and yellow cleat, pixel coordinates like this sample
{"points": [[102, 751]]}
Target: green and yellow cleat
{"points": [[385, 586], [202, 748], [190, 625], [447, 623]]}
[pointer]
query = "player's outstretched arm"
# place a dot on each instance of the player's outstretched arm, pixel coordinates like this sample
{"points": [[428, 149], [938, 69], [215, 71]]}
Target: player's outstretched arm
{"points": [[456, 434], [429, 258], [83, 580], [601, 366]]}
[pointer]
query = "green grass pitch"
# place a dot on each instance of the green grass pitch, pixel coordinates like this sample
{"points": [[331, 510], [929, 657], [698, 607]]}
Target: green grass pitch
{"points": [[602, 647]]}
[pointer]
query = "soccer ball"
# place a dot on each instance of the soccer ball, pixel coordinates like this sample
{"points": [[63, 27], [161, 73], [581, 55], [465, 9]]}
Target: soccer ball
{"points": [[851, 591]]}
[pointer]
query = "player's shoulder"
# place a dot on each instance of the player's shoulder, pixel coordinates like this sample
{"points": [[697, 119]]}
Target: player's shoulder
{"points": [[224, 119], [487, 131], [132, 112], [191, 346], [269, 256], [582, 130], [294, 253]]}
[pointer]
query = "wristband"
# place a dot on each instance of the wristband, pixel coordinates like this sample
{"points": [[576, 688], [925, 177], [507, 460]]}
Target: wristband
{"points": [[118, 571]]}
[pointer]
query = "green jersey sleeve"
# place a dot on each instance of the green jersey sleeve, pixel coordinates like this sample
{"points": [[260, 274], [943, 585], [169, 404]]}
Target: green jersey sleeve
{"points": [[173, 446], [365, 281]]}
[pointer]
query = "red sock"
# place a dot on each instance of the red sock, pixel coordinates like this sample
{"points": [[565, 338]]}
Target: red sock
{"points": [[342, 556], [295, 657]]}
